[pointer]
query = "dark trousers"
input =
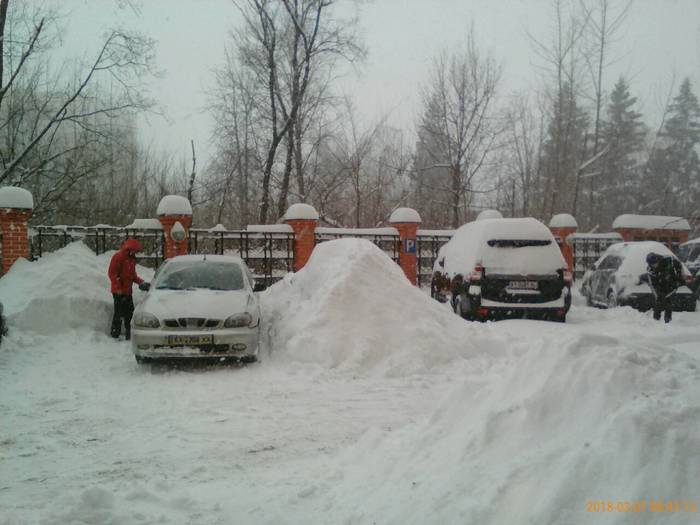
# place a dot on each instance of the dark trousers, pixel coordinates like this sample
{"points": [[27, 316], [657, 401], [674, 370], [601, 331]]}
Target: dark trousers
{"points": [[662, 302], [123, 309]]}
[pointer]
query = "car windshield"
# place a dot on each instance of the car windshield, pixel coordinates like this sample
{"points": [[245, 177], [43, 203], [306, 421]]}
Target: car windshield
{"points": [[689, 253], [201, 274], [518, 243]]}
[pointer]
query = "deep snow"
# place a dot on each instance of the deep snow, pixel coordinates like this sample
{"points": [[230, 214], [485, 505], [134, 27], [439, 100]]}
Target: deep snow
{"points": [[372, 403]]}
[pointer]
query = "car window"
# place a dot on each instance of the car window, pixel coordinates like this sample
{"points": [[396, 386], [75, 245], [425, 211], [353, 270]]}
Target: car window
{"points": [[611, 262], [201, 274]]}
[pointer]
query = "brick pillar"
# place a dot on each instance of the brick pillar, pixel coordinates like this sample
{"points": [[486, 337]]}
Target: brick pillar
{"points": [[406, 221], [16, 206], [174, 209], [303, 219], [562, 226]]}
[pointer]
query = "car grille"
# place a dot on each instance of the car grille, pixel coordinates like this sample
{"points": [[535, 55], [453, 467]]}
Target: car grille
{"points": [[192, 322]]}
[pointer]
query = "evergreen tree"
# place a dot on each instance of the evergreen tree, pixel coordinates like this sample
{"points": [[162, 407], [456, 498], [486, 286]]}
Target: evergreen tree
{"points": [[622, 137], [673, 176]]}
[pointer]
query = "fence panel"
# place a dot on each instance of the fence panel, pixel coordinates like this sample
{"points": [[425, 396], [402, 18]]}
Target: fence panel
{"points": [[387, 239], [588, 247], [428, 244]]}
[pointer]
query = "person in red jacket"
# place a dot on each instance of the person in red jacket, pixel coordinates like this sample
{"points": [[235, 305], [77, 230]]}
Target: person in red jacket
{"points": [[122, 274]]}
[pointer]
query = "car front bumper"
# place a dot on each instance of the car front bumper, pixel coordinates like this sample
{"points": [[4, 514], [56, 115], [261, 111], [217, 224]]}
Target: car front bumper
{"points": [[238, 343]]}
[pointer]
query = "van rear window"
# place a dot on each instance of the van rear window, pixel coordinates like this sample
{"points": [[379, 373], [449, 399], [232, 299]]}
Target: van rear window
{"points": [[517, 243]]}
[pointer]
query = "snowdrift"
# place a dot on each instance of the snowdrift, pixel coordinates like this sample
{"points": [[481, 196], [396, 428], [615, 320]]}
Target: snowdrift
{"points": [[537, 435], [64, 290], [351, 307]]}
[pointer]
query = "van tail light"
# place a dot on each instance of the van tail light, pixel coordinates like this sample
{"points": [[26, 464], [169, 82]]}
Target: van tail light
{"points": [[568, 276], [476, 273]]}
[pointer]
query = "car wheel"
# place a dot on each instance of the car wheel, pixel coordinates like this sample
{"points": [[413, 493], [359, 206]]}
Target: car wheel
{"points": [[589, 300], [465, 307], [612, 299], [143, 360]]}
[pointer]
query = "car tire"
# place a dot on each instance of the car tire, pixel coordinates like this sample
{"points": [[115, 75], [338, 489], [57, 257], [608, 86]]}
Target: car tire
{"points": [[612, 299], [589, 300], [143, 360], [465, 307]]}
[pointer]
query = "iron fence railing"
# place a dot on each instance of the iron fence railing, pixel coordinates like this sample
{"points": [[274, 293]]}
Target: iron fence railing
{"points": [[428, 244], [387, 239], [269, 254], [588, 247]]}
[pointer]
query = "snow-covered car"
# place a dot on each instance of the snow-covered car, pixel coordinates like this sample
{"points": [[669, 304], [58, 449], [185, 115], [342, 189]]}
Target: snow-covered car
{"points": [[199, 307], [614, 279], [689, 254], [500, 268]]}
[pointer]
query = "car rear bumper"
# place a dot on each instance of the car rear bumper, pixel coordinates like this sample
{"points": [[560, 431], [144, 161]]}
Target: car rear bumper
{"points": [[239, 343], [496, 310]]}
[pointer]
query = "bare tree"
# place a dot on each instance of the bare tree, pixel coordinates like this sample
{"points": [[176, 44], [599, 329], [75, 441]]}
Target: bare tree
{"points": [[458, 128]]}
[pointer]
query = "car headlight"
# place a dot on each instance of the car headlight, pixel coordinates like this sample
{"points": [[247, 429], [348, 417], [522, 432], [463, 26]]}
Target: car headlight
{"points": [[239, 320], [146, 320]]}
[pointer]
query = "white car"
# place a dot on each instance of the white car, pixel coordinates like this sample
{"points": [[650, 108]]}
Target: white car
{"points": [[199, 307]]}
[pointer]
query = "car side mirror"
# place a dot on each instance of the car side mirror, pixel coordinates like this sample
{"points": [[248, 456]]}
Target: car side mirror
{"points": [[259, 287]]}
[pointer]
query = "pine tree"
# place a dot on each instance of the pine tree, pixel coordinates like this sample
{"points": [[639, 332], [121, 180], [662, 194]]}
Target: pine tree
{"points": [[673, 174], [622, 137]]}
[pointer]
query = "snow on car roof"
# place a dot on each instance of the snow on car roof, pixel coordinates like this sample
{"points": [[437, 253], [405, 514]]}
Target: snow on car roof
{"points": [[468, 247], [651, 222]]}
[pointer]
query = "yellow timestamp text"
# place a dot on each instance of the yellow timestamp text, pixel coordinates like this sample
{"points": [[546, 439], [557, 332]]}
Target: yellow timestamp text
{"points": [[643, 505]]}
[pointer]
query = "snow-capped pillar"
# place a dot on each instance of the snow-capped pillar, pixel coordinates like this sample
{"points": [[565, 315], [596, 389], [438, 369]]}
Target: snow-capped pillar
{"points": [[406, 221], [563, 225], [303, 218], [16, 205], [175, 214]]}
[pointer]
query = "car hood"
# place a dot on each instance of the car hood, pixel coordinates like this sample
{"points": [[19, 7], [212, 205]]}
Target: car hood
{"points": [[210, 304]]}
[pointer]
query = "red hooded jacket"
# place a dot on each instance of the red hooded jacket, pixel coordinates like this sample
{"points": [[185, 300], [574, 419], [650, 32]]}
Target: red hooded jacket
{"points": [[122, 268]]}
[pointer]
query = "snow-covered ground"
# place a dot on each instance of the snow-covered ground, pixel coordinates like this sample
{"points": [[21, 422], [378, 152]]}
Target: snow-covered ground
{"points": [[371, 404]]}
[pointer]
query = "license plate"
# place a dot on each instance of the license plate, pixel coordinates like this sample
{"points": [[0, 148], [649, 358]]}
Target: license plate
{"points": [[185, 340], [523, 285]]}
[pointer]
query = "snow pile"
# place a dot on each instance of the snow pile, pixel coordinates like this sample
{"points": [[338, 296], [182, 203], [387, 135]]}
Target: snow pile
{"points": [[651, 222], [563, 220], [18, 198], [64, 290], [404, 215], [470, 247], [301, 211], [537, 436], [174, 205], [489, 214], [352, 307]]}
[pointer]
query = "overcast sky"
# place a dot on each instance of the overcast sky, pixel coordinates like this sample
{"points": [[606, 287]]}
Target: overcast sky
{"points": [[661, 38]]}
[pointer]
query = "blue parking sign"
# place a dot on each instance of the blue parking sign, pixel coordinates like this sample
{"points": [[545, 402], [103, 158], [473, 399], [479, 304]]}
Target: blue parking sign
{"points": [[409, 246]]}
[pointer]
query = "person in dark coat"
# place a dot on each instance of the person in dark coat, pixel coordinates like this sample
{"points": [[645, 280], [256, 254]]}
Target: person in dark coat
{"points": [[122, 275], [664, 275]]}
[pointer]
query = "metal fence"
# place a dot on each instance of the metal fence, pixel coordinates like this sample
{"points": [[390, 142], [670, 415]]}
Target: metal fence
{"points": [[387, 239], [588, 247], [428, 244], [268, 254]]}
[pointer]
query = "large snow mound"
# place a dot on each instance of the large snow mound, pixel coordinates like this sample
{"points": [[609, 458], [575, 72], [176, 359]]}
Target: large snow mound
{"points": [[535, 437], [64, 290], [351, 306]]}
